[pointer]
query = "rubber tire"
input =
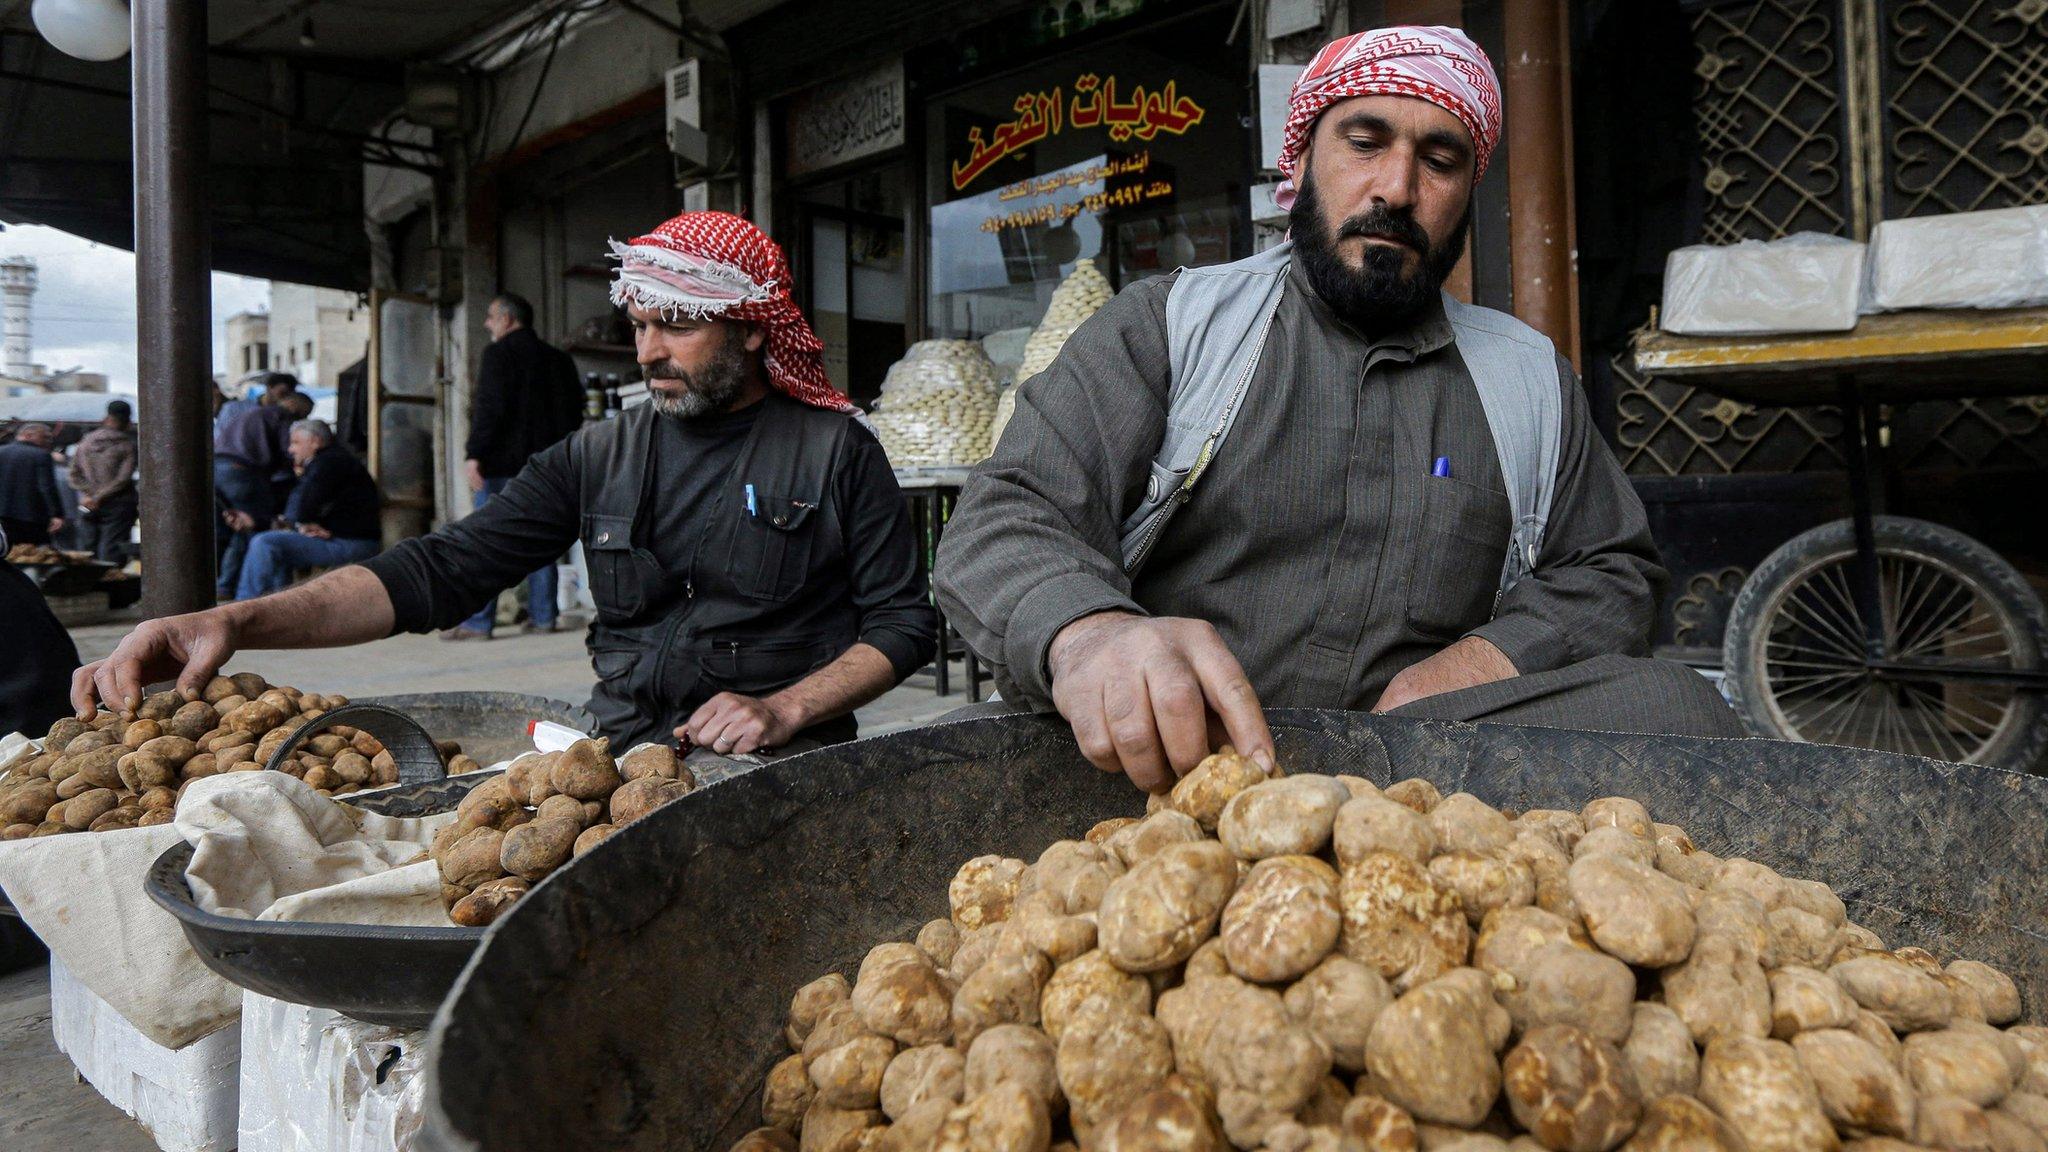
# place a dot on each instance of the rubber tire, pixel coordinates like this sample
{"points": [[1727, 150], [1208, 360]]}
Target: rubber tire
{"points": [[2022, 749]]}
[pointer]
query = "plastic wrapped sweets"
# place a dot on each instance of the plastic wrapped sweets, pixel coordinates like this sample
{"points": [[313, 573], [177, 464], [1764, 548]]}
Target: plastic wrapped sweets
{"points": [[1805, 282], [1996, 259]]}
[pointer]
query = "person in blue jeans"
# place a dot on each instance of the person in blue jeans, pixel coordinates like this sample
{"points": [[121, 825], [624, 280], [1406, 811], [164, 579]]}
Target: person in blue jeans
{"points": [[527, 399], [333, 512], [248, 451]]}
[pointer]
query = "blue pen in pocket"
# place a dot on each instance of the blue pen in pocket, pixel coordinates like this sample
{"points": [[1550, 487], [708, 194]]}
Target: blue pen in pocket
{"points": [[1442, 468], [751, 510]]}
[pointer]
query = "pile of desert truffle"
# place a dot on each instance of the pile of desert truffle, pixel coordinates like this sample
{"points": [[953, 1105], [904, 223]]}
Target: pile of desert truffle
{"points": [[128, 770], [546, 809], [1313, 964]]}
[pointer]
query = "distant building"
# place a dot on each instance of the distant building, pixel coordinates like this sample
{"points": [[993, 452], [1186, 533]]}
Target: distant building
{"points": [[20, 375], [312, 333], [248, 337]]}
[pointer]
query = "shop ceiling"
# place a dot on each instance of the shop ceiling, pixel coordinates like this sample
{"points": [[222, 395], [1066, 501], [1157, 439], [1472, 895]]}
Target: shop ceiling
{"points": [[297, 89]]}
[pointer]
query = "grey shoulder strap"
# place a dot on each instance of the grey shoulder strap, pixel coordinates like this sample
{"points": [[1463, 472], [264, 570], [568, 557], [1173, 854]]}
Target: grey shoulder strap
{"points": [[1514, 367], [1216, 324]]}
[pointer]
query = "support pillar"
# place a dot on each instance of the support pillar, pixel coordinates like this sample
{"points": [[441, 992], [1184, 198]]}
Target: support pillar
{"points": [[173, 306], [1541, 235]]}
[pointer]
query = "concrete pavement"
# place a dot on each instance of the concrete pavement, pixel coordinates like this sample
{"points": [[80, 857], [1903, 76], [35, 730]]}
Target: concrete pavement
{"points": [[546, 664]]}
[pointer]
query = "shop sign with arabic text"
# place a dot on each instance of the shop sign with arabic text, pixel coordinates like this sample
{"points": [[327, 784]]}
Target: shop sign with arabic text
{"points": [[1136, 114]]}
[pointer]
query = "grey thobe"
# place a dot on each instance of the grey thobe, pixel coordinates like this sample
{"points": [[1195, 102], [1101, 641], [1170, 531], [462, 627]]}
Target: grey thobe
{"points": [[1318, 543]]}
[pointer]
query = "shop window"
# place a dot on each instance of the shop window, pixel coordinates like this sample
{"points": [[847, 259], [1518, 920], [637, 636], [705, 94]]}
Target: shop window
{"points": [[855, 276], [1130, 152]]}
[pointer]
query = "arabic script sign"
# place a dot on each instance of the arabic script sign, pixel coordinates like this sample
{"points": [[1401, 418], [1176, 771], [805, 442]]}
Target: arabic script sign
{"points": [[846, 120], [1139, 114]]}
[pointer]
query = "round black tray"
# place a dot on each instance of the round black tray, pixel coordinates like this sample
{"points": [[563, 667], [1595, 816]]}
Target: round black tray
{"points": [[382, 974], [634, 1001]]}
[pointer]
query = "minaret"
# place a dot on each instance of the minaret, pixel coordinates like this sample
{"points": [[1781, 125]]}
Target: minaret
{"points": [[17, 291]]}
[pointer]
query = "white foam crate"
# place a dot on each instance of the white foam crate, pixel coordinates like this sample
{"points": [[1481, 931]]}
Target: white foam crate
{"points": [[185, 1098]]}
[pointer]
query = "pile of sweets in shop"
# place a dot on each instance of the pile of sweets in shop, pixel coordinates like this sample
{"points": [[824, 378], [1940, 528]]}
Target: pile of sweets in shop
{"points": [[1078, 297], [936, 405]]}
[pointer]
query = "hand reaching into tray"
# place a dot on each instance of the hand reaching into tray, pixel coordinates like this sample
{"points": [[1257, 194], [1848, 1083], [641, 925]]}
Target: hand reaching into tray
{"points": [[346, 606]]}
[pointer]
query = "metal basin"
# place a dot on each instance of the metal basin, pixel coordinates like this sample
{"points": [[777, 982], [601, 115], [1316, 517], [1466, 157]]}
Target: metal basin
{"points": [[490, 726], [635, 1000]]}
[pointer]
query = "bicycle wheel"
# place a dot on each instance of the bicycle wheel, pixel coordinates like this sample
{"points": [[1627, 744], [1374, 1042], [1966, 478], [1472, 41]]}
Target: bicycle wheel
{"points": [[1797, 668]]}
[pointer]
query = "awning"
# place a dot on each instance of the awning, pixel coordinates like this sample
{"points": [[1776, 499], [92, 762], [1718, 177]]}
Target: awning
{"points": [[297, 87]]}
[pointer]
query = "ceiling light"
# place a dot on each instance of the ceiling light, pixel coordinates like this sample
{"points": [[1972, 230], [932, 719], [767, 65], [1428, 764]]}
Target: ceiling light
{"points": [[88, 29]]}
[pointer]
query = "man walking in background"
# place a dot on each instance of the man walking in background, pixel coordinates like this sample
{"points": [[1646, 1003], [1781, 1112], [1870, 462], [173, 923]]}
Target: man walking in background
{"points": [[527, 399], [103, 472], [31, 512], [276, 386], [248, 449], [331, 516]]}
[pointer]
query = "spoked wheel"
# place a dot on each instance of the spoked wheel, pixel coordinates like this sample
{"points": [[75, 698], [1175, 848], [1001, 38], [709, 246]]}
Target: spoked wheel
{"points": [[1955, 616]]}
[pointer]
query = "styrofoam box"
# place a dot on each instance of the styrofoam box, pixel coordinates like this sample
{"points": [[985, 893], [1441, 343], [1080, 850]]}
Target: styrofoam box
{"points": [[1994, 259], [314, 1080], [1803, 283], [185, 1097]]}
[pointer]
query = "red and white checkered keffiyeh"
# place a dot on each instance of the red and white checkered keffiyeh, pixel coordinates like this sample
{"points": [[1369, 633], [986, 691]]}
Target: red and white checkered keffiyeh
{"points": [[717, 265], [1440, 65]]}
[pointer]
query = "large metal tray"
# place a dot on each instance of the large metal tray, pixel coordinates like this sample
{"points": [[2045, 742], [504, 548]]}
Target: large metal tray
{"points": [[635, 1001], [382, 974]]}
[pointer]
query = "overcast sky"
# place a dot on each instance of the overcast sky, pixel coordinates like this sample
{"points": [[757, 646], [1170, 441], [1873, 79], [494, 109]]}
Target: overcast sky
{"points": [[84, 315]]}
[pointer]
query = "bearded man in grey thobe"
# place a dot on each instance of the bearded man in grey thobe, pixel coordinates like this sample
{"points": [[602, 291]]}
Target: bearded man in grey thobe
{"points": [[1344, 547]]}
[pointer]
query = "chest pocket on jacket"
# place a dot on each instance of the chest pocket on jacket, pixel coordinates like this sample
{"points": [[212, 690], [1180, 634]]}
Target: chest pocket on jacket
{"points": [[771, 550], [624, 580], [1458, 555]]}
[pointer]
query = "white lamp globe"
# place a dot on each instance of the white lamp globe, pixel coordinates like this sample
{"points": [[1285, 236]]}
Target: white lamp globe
{"points": [[88, 29]]}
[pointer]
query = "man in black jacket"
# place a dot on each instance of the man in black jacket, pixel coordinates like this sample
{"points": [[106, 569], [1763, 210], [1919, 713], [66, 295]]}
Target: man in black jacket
{"points": [[751, 556], [526, 400], [30, 510], [332, 512]]}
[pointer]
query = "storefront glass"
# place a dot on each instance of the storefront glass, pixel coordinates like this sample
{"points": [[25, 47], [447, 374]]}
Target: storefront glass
{"points": [[1130, 152]]}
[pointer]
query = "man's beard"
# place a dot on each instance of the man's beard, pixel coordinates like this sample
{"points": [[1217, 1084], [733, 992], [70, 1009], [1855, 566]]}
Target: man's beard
{"points": [[1381, 295], [711, 389]]}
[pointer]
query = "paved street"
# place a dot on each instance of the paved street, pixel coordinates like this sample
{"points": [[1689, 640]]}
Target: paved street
{"points": [[541, 665]]}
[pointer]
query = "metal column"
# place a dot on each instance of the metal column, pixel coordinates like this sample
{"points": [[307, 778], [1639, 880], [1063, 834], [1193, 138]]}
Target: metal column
{"points": [[173, 305]]}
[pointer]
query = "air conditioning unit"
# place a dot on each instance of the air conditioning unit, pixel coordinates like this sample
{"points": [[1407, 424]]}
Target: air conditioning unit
{"points": [[700, 118]]}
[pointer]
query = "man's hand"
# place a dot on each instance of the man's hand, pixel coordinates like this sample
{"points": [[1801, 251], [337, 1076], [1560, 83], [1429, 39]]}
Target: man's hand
{"points": [[1466, 664], [730, 723], [315, 531], [88, 503], [1141, 694], [475, 473], [56, 525], [192, 647], [239, 520]]}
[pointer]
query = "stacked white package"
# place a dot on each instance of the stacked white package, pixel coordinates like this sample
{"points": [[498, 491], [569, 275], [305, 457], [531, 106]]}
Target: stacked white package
{"points": [[318, 1081], [1994, 259], [1805, 282], [185, 1097], [936, 405]]}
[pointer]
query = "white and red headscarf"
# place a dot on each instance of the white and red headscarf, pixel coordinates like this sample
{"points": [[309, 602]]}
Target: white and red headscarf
{"points": [[1440, 65], [714, 265]]}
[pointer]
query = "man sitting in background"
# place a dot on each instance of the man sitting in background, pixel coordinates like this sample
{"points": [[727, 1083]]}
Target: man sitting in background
{"points": [[30, 509], [247, 449], [103, 472], [333, 510]]}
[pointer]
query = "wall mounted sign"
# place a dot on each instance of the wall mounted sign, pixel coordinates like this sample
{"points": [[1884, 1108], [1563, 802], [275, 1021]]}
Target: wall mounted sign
{"points": [[846, 120], [1136, 113]]}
